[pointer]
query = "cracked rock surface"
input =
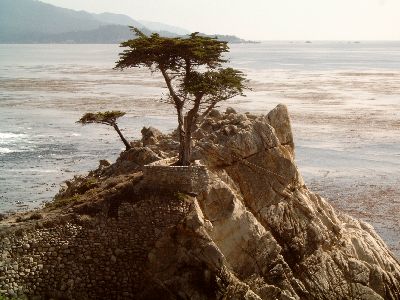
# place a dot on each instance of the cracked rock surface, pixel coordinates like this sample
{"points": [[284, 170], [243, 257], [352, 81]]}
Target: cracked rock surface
{"points": [[255, 231]]}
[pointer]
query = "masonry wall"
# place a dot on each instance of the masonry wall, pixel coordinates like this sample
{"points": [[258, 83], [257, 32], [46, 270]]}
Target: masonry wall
{"points": [[102, 258], [190, 179]]}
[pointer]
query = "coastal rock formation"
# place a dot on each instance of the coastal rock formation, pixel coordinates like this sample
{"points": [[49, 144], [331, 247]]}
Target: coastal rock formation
{"points": [[250, 230]]}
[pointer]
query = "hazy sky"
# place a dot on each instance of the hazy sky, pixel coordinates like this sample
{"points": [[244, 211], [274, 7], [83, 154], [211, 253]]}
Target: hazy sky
{"points": [[264, 19]]}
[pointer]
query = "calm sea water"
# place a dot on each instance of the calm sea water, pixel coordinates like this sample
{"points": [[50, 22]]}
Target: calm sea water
{"points": [[45, 88]]}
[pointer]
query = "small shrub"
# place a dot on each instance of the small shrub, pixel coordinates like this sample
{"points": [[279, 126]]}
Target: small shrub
{"points": [[36, 216], [57, 203], [3, 297], [78, 185], [180, 196]]}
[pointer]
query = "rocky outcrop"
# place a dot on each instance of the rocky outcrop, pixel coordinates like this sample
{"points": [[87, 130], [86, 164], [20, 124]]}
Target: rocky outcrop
{"points": [[253, 231], [150, 136], [272, 229]]}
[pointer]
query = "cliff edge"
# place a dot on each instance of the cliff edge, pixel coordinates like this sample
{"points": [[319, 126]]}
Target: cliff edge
{"points": [[239, 223]]}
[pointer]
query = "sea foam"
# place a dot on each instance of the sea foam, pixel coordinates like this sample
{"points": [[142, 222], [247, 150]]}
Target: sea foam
{"points": [[5, 150], [8, 137]]}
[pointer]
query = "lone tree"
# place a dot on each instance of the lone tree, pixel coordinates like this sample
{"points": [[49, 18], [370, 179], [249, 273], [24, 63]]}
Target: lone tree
{"points": [[108, 118], [193, 73]]}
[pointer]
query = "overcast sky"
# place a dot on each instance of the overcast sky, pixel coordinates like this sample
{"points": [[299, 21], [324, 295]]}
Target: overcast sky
{"points": [[263, 19]]}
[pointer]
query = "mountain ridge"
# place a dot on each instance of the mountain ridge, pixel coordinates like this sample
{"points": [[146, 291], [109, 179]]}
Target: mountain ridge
{"points": [[32, 21]]}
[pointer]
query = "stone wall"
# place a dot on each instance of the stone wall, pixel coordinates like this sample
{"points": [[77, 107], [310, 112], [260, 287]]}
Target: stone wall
{"points": [[87, 258], [189, 179]]}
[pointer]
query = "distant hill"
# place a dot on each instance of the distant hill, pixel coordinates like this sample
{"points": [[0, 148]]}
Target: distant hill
{"points": [[107, 34], [229, 38], [32, 21], [117, 19], [156, 26], [19, 18]]}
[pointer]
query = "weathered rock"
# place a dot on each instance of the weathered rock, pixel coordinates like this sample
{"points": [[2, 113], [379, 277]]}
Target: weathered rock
{"points": [[150, 136], [280, 120], [103, 163], [230, 110], [253, 230], [215, 114], [140, 156], [129, 161]]}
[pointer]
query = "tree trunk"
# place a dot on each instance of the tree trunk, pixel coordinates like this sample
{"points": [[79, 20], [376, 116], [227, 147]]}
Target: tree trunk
{"points": [[207, 111], [179, 109], [127, 145], [187, 149], [182, 134], [190, 121]]}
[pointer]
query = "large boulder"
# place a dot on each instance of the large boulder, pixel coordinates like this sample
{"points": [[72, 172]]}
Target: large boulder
{"points": [[279, 119], [273, 230], [150, 136], [254, 231]]}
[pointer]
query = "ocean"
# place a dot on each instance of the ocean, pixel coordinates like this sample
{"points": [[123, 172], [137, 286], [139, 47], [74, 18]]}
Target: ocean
{"points": [[344, 99]]}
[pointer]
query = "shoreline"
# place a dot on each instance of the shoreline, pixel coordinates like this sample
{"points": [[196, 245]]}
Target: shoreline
{"points": [[345, 122]]}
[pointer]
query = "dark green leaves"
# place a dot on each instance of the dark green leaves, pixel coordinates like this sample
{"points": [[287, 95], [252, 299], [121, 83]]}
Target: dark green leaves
{"points": [[193, 72], [192, 67], [220, 84], [108, 117], [173, 54]]}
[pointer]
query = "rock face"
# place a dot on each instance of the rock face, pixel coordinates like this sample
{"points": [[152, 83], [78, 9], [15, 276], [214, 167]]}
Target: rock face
{"points": [[150, 136], [254, 231], [272, 229]]}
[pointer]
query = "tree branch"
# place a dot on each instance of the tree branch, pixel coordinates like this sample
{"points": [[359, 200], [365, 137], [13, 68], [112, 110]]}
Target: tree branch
{"points": [[178, 102]]}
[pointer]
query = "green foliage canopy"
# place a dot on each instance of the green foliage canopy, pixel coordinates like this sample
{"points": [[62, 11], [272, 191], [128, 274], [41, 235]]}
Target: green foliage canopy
{"points": [[107, 118], [192, 67], [171, 53], [194, 73]]}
